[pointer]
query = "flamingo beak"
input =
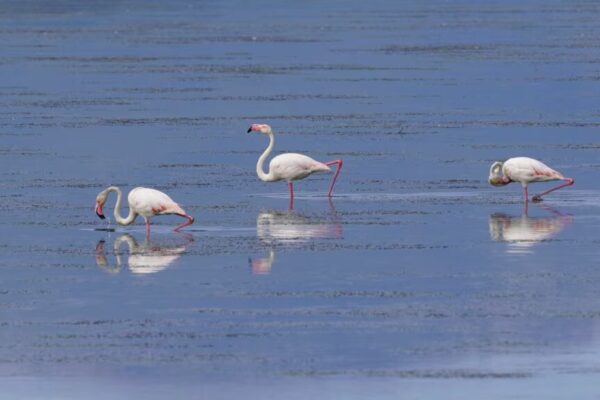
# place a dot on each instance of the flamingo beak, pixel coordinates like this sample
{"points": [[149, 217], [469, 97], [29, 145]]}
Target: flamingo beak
{"points": [[249, 130], [99, 212], [499, 181]]}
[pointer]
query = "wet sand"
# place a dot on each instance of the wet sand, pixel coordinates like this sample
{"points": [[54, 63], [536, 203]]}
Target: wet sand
{"points": [[419, 280]]}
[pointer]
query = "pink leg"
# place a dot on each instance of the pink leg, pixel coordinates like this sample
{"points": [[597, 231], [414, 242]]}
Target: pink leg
{"points": [[147, 227], [526, 194], [538, 197], [291, 186], [337, 172], [190, 220]]}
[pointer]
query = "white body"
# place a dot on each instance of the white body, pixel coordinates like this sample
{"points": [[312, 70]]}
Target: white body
{"points": [[150, 202], [293, 166], [526, 170]]}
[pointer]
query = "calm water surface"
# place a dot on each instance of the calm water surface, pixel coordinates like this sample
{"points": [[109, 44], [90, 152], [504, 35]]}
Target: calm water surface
{"points": [[417, 281]]}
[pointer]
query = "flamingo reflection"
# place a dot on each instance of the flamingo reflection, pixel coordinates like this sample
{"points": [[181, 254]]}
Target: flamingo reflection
{"points": [[146, 258], [290, 228], [523, 232]]}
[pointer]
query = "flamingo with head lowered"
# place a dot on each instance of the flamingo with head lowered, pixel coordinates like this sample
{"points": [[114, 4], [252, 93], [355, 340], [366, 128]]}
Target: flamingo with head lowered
{"points": [[526, 170], [290, 166], [145, 202]]}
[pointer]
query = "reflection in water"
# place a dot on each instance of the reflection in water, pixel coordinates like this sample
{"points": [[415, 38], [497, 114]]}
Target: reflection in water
{"points": [[147, 258], [522, 232], [262, 266], [289, 228]]}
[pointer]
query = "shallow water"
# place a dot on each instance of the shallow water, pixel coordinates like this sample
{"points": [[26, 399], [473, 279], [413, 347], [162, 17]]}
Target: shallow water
{"points": [[418, 280]]}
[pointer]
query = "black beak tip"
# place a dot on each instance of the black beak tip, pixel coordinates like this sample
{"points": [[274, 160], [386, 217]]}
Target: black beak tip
{"points": [[249, 130], [101, 216]]}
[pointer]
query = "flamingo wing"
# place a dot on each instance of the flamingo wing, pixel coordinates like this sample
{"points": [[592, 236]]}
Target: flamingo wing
{"points": [[525, 169], [148, 202], [292, 166]]}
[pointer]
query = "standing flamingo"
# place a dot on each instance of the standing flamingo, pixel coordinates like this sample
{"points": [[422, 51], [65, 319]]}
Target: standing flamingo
{"points": [[526, 170], [290, 166], [145, 202]]}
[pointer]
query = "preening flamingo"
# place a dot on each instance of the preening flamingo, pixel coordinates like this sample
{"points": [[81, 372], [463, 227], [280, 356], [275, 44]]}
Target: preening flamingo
{"points": [[145, 202], [290, 166], [526, 170]]}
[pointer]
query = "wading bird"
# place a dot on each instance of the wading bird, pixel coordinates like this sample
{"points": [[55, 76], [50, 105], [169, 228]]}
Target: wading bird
{"points": [[526, 170], [142, 201], [290, 166]]}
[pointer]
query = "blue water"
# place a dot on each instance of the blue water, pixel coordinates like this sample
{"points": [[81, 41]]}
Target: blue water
{"points": [[418, 280]]}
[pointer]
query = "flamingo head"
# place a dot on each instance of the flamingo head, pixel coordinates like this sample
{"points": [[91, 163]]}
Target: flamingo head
{"points": [[262, 128], [100, 200], [496, 178]]}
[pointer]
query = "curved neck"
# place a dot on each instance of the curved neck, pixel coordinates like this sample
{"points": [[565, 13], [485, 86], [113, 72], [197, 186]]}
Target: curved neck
{"points": [[117, 212], [496, 169], [261, 160]]}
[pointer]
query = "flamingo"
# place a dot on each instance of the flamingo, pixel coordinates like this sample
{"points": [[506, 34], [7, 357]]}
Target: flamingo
{"points": [[145, 202], [526, 170], [290, 166]]}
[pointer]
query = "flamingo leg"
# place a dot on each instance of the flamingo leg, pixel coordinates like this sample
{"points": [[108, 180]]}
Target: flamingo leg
{"points": [[538, 197], [291, 186], [337, 172], [147, 227], [190, 220]]}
